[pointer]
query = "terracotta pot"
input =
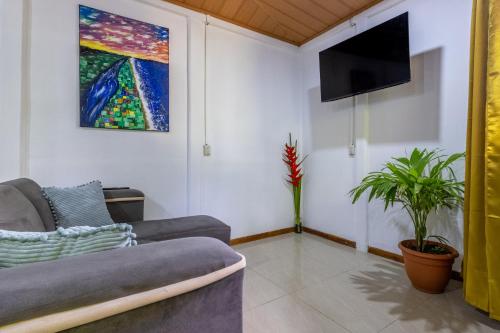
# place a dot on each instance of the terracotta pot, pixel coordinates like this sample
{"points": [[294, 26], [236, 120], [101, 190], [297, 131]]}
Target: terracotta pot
{"points": [[428, 272]]}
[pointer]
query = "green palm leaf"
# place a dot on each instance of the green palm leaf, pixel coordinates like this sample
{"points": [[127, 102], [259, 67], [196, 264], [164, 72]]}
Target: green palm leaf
{"points": [[422, 183]]}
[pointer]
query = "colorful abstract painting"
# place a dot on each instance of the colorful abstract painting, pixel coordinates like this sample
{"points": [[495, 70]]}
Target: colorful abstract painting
{"points": [[124, 72]]}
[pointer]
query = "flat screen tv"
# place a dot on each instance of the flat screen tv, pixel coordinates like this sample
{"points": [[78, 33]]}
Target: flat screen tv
{"points": [[375, 59]]}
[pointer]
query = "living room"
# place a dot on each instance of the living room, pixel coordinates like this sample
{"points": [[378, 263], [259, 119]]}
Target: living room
{"points": [[242, 81]]}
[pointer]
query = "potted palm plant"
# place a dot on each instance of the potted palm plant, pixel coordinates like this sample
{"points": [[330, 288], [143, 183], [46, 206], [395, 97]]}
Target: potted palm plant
{"points": [[422, 183]]}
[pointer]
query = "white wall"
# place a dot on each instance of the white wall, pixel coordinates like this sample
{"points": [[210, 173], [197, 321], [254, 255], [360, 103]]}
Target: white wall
{"points": [[10, 87], [62, 153], [253, 85], [252, 106], [257, 90], [431, 112]]}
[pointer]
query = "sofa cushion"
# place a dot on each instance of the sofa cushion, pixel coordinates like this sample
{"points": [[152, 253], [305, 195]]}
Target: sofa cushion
{"points": [[82, 205], [33, 192], [17, 212], [38, 289], [192, 226], [20, 248]]}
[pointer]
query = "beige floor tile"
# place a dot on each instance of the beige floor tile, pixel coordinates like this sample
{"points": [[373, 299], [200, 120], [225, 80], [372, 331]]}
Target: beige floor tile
{"points": [[329, 287], [287, 245], [430, 318], [254, 255], [261, 251], [298, 271], [288, 315], [338, 303], [257, 290], [335, 254], [385, 274], [366, 299], [296, 262], [447, 312]]}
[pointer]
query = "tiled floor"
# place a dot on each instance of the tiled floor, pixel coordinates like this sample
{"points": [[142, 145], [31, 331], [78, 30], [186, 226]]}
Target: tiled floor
{"points": [[303, 283]]}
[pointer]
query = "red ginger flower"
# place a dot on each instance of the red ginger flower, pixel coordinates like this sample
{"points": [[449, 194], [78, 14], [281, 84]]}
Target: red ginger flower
{"points": [[290, 157]]}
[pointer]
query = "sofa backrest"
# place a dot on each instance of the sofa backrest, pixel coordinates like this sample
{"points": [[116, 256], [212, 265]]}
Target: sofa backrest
{"points": [[17, 212], [33, 193]]}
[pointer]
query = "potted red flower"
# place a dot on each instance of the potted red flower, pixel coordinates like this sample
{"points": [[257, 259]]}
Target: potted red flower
{"points": [[291, 159]]}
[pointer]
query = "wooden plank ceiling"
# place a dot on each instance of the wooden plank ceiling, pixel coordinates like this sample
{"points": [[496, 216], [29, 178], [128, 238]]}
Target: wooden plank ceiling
{"points": [[292, 21]]}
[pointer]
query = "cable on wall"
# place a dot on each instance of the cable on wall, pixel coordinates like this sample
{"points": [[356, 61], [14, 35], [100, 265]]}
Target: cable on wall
{"points": [[352, 141], [24, 142], [206, 146]]}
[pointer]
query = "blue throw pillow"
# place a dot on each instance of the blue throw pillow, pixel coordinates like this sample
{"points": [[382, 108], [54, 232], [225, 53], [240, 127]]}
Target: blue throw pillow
{"points": [[82, 205]]}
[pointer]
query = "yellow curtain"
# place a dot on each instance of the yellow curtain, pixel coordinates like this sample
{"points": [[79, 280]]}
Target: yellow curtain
{"points": [[482, 180]]}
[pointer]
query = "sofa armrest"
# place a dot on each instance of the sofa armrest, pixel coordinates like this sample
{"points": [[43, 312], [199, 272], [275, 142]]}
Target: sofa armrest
{"points": [[124, 204], [181, 227], [44, 288]]}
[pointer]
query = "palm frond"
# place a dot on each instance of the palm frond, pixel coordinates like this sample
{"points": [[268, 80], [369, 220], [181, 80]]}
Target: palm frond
{"points": [[422, 182]]}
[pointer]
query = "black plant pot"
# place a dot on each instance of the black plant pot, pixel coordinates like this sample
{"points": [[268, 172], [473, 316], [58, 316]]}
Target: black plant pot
{"points": [[298, 228]]}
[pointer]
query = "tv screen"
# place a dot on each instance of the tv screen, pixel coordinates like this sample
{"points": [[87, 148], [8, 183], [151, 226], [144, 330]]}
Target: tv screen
{"points": [[375, 59]]}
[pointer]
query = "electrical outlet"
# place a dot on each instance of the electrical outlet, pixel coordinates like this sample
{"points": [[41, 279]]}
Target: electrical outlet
{"points": [[207, 150], [352, 150]]}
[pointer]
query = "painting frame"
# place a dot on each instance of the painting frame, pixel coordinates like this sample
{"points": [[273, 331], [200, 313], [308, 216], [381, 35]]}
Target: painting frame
{"points": [[123, 72]]}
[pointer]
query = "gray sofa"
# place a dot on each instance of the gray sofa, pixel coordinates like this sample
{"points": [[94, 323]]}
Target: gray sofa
{"points": [[183, 277]]}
